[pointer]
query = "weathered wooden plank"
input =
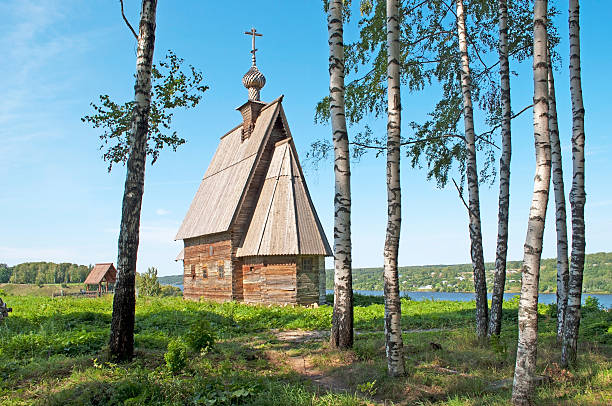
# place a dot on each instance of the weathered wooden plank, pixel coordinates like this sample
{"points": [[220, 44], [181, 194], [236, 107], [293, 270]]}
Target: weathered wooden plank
{"points": [[218, 196]]}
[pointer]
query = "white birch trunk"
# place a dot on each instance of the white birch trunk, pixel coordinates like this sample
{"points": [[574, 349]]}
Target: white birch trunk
{"points": [[121, 344], [526, 353], [577, 194], [393, 310], [559, 189], [480, 282], [497, 297], [342, 318]]}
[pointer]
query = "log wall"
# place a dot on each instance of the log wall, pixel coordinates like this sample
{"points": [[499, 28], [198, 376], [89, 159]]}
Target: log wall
{"points": [[308, 280], [208, 268], [270, 280]]}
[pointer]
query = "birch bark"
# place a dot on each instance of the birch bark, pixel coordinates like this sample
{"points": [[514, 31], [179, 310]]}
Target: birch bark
{"points": [[526, 353], [577, 194], [504, 175], [121, 344], [480, 283], [393, 310], [559, 189], [342, 318]]}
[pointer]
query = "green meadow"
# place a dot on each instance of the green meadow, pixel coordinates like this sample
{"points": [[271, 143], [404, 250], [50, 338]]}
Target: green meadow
{"points": [[53, 352]]}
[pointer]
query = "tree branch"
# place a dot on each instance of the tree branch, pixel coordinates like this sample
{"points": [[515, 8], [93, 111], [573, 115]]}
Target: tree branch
{"points": [[126, 21], [382, 148], [461, 197], [479, 136], [499, 125]]}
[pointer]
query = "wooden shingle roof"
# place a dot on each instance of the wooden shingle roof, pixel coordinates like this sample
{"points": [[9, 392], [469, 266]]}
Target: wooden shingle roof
{"points": [[218, 197], [98, 273], [285, 221]]}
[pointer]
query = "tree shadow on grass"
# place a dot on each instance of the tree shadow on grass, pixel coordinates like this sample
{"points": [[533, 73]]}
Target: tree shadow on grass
{"points": [[231, 375]]}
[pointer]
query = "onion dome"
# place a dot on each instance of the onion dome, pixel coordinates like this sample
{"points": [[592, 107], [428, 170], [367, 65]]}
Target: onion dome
{"points": [[254, 80]]}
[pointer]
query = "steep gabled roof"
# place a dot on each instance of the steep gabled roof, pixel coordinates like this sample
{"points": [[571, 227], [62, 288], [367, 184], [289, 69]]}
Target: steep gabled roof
{"points": [[214, 206], [284, 221], [99, 271]]}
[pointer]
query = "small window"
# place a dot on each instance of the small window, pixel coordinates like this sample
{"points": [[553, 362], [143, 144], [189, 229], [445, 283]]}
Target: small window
{"points": [[210, 250], [221, 271], [204, 271], [193, 271], [307, 264]]}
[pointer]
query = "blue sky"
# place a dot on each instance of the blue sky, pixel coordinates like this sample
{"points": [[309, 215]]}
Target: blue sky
{"points": [[58, 203]]}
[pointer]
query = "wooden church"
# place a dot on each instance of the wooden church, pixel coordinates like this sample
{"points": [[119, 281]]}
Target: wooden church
{"points": [[252, 233]]}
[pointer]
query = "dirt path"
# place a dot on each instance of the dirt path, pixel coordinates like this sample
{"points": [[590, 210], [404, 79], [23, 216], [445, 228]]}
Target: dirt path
{"points": [[300, 336], [303, 364]]}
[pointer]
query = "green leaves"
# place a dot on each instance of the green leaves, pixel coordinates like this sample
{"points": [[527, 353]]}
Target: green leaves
{"points": [[430, 55], [147, 283], [174, 86]]}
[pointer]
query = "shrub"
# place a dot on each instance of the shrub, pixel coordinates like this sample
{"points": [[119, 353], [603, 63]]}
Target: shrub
{"points": [[169, 290], [200, 335], [147, 283], [176, 355], [591, 304]]}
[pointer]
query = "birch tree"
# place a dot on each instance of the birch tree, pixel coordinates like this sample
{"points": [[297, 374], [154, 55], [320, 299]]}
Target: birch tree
{"points": [[577, 194], [526, 353], [504, 174], [559, 191], [342, 318], [393, 307], [131, 132], [480, 283], [121, 345]]}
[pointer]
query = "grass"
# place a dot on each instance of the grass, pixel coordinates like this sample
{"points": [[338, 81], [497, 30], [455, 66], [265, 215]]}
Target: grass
{"points": [[53, 352], [25, 289]]}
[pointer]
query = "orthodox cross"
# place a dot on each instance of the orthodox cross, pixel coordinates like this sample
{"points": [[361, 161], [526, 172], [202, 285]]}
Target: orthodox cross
{"points": [[254, 33]]}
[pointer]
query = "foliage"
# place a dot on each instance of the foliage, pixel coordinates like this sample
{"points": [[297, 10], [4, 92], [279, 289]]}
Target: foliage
{"points": [[147, 283], [173, 86], [176, 355], [5, 273], [369, 388], [54, 349], [591, 304], [430, 56], [167, 290], [53, 353], [459, 278], [44, 272], [200, 336], [171, 280]]}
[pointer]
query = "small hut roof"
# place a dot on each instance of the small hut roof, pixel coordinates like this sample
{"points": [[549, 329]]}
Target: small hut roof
{"points": [[218, 197], [284, 221], [99, 271]]}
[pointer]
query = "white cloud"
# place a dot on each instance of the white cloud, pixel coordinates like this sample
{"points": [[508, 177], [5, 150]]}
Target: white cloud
{"points": [[162, 212]]}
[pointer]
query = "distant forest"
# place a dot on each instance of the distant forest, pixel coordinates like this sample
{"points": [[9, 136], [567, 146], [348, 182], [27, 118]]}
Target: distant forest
{"points": [[459, 278], [441, 278], [44, 272]]}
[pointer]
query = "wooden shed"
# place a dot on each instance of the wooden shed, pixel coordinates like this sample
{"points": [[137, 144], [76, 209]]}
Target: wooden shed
{"points": [[102, 277], [252, 233]]}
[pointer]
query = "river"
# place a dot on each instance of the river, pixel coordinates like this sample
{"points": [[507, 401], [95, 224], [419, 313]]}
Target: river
{"points": [[604, 299]]}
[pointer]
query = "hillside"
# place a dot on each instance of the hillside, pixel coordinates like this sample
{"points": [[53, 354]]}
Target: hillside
{"points": [[441, 278], [171, 280], [458, 278]]}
